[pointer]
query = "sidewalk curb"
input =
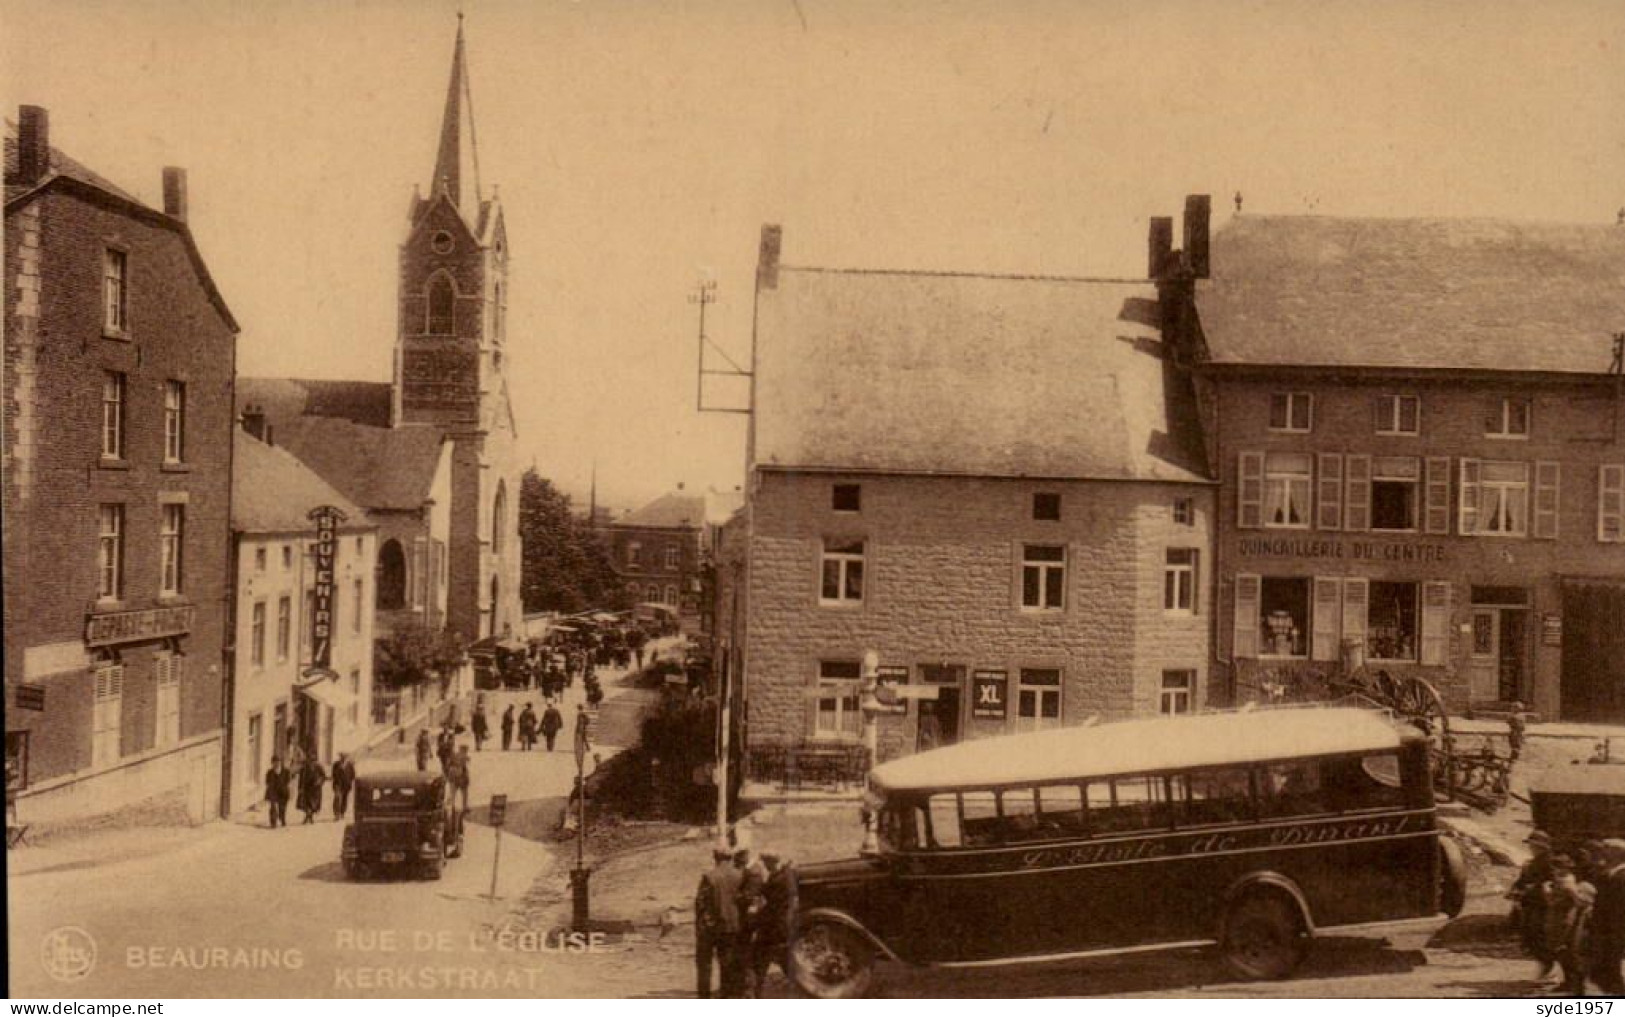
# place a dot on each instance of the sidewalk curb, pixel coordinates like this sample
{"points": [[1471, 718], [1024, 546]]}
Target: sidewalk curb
{"points": [[1499, 850]]}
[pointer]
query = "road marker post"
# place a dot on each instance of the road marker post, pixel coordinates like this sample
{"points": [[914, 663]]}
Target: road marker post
{"points": [[499, 816]]}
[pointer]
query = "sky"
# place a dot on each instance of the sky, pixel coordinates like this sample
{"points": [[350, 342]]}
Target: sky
{"points": [[639, 147]]}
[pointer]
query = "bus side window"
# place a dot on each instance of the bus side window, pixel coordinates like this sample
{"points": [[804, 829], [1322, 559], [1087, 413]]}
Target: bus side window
{"points": [[981, 820], [1020, 810], [1137, 804], [945, 820], [1213, 796], [1371, 782], [1291, 789], [1060, 809]]}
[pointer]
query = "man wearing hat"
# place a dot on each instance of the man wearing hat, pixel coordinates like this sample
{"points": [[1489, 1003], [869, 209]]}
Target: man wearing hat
{"points": [[774, 919], [1530, 904], [1567, 914], [716, 923], [1608, 920]]}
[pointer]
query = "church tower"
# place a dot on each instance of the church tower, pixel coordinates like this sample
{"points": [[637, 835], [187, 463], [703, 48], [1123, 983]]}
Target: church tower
{"points": [[450, 369]]}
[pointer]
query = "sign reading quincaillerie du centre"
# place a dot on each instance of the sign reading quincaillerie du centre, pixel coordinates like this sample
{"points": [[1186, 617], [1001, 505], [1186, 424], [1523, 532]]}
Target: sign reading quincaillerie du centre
{"points": [[327, 519]]}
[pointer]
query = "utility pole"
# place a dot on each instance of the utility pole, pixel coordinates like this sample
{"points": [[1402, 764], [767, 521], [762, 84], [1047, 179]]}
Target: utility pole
{"points": [[704, 293]]}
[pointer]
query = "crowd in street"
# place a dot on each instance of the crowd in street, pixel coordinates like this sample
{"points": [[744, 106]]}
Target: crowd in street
{"points": [[743, 913], [1569, 907]]}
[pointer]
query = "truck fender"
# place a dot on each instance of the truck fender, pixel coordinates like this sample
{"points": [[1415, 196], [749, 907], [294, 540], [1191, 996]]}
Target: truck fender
{"points": [[842, 918], [1273, 881]]}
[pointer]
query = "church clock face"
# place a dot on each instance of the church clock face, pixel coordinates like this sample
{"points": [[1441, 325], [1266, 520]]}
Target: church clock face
{"points": [[442, 242]]}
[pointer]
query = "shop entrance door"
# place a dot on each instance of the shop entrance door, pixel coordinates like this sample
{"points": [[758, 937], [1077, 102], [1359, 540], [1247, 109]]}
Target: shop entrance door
{"points": [[1498, 658], [1513, 653], [938, 723]]}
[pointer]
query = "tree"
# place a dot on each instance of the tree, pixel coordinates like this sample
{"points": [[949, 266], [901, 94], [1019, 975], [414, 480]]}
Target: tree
{"points": [[565, 567], [413, 653]]}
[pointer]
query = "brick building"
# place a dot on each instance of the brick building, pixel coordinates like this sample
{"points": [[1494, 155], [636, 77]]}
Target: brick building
{"points": [[1419, 444], [381, 443], [662, 551], [994, 483], [119, 361], [278, 698]]}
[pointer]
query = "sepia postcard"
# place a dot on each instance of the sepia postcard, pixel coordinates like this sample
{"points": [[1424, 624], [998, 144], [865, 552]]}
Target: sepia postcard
{"points": [[614, 498]]}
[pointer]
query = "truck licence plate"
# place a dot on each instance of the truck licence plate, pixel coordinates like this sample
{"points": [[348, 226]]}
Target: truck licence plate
{"points": [[394, 856]]}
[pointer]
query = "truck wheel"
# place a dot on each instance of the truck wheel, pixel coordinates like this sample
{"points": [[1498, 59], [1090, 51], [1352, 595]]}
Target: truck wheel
{"points": [[1263, 936], [831, 961], [435, 868]]}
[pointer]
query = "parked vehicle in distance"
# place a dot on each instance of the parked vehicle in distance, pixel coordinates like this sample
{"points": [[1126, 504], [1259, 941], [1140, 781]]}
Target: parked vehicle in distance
{"points": [[1251, 830], [406, 821], [1574, 804]]}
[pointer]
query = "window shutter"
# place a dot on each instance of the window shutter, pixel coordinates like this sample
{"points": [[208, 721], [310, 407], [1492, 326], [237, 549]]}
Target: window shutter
{"points": [[1547, 479], [1250, 496], [1435, 624], [1611, 503], [1329, 506], [1323, 627], [1357, 510], [1356, 592], [1244, 638], [1437, 514], [1467, 514]]}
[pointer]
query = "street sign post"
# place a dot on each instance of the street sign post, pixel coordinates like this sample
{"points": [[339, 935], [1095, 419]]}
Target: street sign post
{"points": [[578, 875], [499, 815]]}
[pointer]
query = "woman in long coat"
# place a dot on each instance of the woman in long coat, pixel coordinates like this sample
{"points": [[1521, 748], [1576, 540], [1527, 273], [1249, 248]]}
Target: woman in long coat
{"points": [[311, 779]]}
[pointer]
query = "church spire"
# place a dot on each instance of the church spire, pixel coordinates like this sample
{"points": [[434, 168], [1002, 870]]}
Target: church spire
{"points": [[456, 164]]}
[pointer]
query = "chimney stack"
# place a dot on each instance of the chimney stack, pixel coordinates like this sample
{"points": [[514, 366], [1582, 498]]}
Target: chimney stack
{"points": [[1162, 245], [175, 192], [767, 257], [1198, 210], [33, 144]]}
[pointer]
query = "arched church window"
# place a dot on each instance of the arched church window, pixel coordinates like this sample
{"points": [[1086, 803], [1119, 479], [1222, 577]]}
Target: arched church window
{"points": [[499, 314], [391, 580], [496, 590], [499, 517], [442, 299]]}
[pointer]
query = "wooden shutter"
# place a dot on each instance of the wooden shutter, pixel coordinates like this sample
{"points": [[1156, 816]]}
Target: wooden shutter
{"points": [[1547, 478], [1329, 503], [1356, 594], [1435, 624], [1611, 503], [1467, 511], [1436, 512], [1323, 628], [1250, 492], [1357, 507], [1244, 639]]}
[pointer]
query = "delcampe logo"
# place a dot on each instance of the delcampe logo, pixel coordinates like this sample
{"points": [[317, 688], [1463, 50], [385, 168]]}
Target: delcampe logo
{"points": [[68, 953]]}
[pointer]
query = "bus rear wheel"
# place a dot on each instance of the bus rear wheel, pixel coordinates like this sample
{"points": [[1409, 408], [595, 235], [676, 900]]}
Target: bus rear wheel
{"points": [[1263, 937], [830, 961]]}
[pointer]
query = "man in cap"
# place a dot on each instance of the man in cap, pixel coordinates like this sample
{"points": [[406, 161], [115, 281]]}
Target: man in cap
{"points": [[774, 919], [716, 921], [1530, 907], [1608, 920], [1567, 913]]}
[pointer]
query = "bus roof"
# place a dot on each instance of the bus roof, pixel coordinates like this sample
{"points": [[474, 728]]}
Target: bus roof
{"points": [[1131, 746]]}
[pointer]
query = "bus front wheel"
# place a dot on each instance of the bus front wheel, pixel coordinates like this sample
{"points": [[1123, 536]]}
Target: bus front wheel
{"points": [[1264, 936], [830, 961]]}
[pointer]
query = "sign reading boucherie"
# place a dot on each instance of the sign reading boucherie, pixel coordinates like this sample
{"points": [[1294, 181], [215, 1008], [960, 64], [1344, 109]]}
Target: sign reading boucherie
{"points": [[133, 626], [327, 519]]}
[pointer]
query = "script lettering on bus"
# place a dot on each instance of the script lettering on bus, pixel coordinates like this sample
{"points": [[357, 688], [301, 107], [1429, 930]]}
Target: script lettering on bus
{"points": [[1148, 848]]}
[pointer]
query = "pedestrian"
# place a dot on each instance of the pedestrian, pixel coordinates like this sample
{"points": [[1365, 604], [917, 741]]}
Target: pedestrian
{"points": [[311, 779], [774, 921], [276, 791], [423, 749], [552, 721], [1516, 725], [1607, 946], [458, 777], [1567, 914], [716, 921], [445, 745], [1528, 907], [507, 728], [527, 728], [481, 726], [343, 781]]}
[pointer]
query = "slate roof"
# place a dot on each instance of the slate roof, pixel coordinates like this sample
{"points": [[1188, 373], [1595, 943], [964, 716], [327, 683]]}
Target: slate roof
{"points": [[673, 511], [60, 163], [969, 375], [376, 467], [1473, 294], [284, 399], [272, 491]]}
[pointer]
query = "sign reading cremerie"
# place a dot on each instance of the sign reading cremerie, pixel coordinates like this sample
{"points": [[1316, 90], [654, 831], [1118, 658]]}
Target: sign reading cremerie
{"points": [[134, 626], [327, 519]]}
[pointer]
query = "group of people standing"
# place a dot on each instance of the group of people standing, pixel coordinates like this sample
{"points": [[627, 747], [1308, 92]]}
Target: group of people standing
{"points": [[1570, 912], [454, 761], [529, 725], [307, 778], [744, 910]]}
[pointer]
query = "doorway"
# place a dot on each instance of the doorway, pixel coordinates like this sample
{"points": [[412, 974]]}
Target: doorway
{"points": [[1593, 624], [1498, 659], [939, 719]]}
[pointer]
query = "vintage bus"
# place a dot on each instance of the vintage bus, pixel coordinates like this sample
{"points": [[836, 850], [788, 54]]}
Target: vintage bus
{"points": [[1249, 830]]}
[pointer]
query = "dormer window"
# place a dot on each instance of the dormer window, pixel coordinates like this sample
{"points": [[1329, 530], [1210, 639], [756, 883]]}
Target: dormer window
{"points": [[441, 302]]}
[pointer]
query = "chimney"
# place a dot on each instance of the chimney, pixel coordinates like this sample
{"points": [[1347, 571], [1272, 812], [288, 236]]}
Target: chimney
{"points": [[175, 192], [33, 144], [254, 422], [767, 257], [1162, 245], [1198, 210]]}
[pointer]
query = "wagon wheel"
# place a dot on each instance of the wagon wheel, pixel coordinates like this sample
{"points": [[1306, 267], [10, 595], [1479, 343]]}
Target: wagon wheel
{"points": [[1418, 702]]}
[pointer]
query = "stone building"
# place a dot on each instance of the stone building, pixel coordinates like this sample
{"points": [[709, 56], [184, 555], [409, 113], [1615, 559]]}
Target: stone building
{"points": [[119, 358], [1420, 444], [662, 552], [993, 483], [281, 694], [382, 444]]}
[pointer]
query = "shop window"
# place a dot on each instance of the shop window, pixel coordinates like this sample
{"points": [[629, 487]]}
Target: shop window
{"points": [[838, 714], [1038, 699], [1179, 580], [1291, 411], [1043, 577], [1395, 490], [841, 572], [1391, 625], [1283, 616], [846, 497], [1286, 489], [1047, 506], [1178, 691], [1507, 418], [1399, 414]]}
